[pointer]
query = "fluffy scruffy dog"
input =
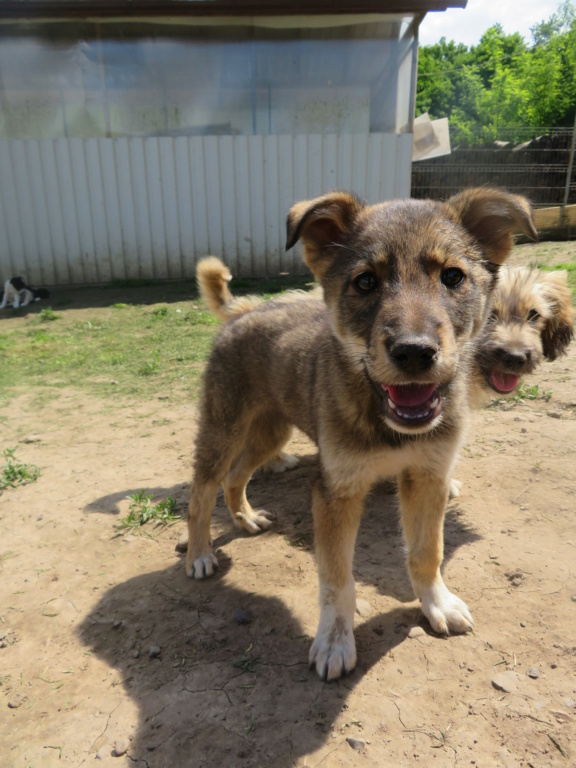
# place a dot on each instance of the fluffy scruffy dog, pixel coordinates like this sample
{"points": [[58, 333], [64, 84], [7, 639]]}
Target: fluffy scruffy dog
{"points": [[376, 375], [531, 321]]}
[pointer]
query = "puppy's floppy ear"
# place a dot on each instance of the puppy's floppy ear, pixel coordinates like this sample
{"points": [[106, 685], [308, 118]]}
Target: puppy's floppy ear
{"points": [[321, 223], [559, 330], [492, 216]]}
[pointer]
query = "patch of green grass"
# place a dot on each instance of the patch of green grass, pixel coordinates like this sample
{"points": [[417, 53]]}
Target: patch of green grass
{"points": [[142, 511], [125, 350], [522, 394], [570, 268], [14, 473], [48, 315], [532, 393], [150, 366], [146, 355]]}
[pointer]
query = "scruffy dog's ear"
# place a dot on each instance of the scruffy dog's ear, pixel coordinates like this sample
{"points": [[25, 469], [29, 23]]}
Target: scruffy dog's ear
{"points": [[321, 223], [492, 216], [559, 330]]}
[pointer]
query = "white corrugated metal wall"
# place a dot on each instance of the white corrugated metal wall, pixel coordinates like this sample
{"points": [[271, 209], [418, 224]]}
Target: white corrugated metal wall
{"points": [[97, 209]]}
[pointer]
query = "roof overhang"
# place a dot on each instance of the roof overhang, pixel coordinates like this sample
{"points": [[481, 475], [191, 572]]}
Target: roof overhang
{"points": [[70, 9]]}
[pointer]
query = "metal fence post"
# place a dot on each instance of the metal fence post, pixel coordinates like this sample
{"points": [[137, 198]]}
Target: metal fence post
{"points": [[568, 175]]}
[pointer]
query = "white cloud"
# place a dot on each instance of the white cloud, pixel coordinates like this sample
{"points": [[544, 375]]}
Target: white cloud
{"points": [[469, 24]]}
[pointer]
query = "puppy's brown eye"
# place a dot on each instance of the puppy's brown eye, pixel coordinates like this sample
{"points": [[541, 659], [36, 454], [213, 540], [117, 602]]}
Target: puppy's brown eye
{"points": [[533, 315], [365, 282], [452, 277]]}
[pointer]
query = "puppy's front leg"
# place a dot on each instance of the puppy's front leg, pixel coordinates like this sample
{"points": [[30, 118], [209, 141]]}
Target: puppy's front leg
{"points": [[423, 498], [336, 521]]}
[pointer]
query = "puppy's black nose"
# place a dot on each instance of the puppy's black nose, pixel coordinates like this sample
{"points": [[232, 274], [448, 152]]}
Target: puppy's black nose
{"points": [[414, 356]]}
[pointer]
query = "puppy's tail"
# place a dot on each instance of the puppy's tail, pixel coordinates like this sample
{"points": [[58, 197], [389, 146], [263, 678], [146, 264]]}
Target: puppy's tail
{"points": [[213, 277]]}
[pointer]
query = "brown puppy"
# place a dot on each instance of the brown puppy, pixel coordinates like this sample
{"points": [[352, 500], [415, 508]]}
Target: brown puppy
{"points": [[376, 376], [531, 320]]}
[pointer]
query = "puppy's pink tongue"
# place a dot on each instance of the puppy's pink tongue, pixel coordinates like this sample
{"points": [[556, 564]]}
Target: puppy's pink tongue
{"points": [[504, 382], [410, 394]]}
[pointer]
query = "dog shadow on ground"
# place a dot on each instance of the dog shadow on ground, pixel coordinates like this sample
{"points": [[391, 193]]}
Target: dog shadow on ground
{"points": [[228, 681], [379, 557], [219, 674]]}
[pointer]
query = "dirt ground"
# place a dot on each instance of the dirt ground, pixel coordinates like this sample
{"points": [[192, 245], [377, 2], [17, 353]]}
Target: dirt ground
{"points": [[106, 645]]}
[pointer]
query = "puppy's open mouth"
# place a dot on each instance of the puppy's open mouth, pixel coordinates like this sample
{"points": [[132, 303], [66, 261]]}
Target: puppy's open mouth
{"points": [[503, 383], [412, 405]]}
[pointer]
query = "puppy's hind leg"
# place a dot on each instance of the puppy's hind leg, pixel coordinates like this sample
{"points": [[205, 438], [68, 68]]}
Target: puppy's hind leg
{"points": [[266, 435], [423, 497]]}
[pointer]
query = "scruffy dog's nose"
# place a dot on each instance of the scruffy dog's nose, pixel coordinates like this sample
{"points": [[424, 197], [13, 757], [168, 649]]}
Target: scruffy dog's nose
{"points": [[414, 356], [513, 359]]}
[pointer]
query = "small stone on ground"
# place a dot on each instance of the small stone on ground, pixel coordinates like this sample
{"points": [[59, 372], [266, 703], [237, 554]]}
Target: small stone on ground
{"points": [[357, 744]]}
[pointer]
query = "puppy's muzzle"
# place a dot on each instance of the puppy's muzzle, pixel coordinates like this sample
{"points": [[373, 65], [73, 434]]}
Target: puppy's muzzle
{"points": [[413, 356], [507, 365], [513, 360]]}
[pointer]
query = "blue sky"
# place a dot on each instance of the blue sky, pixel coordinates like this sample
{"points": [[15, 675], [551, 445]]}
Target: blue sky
{"points": [[467, 25]]}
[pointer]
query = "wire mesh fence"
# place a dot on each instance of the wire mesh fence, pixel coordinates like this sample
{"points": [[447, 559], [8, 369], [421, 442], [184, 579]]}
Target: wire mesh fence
{"points": [[536, 167]]}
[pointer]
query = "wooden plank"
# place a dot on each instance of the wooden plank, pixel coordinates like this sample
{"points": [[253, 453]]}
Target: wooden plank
{"points": [[550, 218]]}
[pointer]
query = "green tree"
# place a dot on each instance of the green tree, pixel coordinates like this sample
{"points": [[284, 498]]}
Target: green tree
{"points": [[503, 82]]}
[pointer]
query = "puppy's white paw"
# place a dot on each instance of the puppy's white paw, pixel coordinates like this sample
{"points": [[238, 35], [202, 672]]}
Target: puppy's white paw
{"points": [[445, 612], [255, 520], [455, 488], [202, 567], [333, 651], [285, 462], [281, 463]]}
